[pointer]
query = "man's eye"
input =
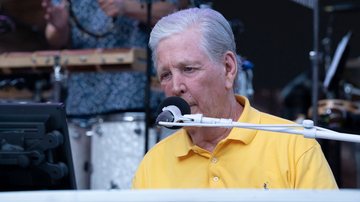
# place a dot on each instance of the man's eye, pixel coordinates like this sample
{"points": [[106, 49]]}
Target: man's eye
{"points": [[165, 76], [189, 69]]}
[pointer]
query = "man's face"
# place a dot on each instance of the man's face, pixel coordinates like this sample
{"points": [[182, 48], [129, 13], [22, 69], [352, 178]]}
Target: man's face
{"points": [[185, 70]]}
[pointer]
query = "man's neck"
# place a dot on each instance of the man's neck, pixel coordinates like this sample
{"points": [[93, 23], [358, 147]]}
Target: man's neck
{"points": [[208, 137]]}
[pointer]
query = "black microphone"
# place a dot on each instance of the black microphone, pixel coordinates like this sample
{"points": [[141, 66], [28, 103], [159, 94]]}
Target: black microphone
{"points": [[169, 116]]}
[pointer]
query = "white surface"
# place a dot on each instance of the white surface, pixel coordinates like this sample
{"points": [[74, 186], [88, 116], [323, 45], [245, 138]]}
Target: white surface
{"points": [[184, 195]]}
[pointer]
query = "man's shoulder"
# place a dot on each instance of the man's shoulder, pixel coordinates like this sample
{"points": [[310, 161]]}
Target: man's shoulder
{"points": [[273, 119], [267, 118], [171, 139]]}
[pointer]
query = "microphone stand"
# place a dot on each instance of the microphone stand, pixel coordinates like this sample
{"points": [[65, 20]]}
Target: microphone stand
{"points": [[307, 128], [315, 61], [148, 79]]}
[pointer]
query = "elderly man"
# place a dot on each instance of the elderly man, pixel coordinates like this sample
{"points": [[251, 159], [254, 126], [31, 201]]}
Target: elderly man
{"points": [[195, 56]]}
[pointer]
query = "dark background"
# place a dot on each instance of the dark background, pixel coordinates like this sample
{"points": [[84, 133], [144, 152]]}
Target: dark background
{"points": [[277, 37]]}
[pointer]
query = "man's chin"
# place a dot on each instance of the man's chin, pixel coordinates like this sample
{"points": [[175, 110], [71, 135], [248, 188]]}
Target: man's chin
{"points": [[190, 128], [194, 110]]}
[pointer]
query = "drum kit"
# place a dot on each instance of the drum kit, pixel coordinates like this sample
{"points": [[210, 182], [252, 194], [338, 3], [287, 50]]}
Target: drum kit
{"points": [[346, 109], [108, 148], [343, 114]]}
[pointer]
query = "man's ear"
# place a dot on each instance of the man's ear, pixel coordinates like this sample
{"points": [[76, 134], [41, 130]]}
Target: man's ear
{"points": [[231, 67]]}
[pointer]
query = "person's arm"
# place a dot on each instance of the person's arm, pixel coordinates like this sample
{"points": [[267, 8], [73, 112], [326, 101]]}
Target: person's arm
{"points": [[138, 10], [57, 30], [313, 171]]}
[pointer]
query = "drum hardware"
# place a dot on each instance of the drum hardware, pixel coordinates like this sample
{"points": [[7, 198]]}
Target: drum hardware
{"points": [[76, 134], [337, 113], [89, 133], [47, 60], [349, 89], [57, 69], [83, 58], [103, 60], [114, 185], [137, 129], [16, 82], [342, 116], [33, 60], [58, 79], [119, 59], [96, 129], [80, 145], [39, 86], [83, 124]]}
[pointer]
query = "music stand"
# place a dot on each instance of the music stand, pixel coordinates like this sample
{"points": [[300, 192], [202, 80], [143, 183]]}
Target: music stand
{"points": [[314, 54], [337, 65]]}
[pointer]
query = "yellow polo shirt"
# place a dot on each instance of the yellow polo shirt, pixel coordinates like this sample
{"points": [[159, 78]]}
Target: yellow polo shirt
{"points": [[245, 159]]}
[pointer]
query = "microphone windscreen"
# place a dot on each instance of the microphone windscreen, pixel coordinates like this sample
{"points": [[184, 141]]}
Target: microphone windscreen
{"points": [[180, 103], [166, 116], [176, 101]]}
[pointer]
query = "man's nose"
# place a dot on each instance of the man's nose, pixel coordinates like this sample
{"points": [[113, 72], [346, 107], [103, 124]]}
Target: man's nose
{"points": [[178, 85]]}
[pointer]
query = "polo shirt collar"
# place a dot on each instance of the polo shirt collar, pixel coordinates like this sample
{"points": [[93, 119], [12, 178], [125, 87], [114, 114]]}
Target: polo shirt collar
{"points": [[249, 115], [184, 143]]}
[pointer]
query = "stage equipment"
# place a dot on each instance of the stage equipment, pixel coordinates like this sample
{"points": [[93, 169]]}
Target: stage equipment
{"points": [[173, 116], [35, 149], [73, 60]]}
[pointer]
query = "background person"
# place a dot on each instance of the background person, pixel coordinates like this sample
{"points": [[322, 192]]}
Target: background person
{"points": [[90, 24]]}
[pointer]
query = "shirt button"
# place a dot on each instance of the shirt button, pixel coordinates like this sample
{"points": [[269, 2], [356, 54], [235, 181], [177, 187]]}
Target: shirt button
{"points": [[214, 160], [216, 179]]}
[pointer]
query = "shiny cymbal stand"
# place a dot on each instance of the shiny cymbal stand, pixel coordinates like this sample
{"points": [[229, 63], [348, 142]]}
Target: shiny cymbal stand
{"points": [[314, 54], [58, 79]]}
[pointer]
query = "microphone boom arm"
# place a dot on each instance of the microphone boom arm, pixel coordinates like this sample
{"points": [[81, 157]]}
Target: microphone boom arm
{"points": [[307, 128]]}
